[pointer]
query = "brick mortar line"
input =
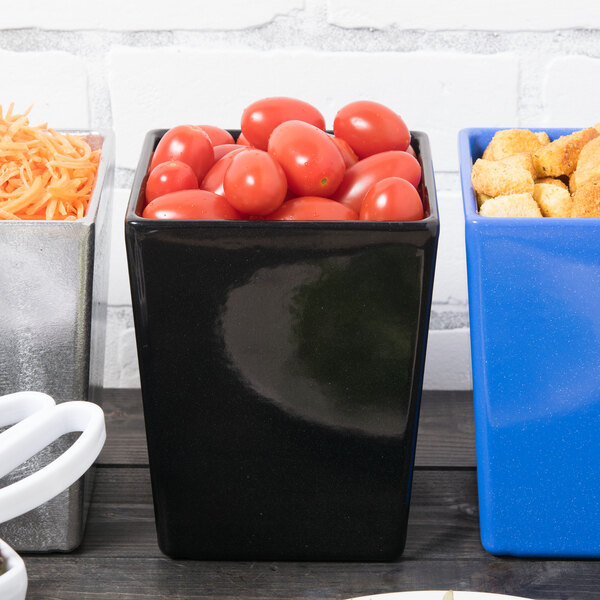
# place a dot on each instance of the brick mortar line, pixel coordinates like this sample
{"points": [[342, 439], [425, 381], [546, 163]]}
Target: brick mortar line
{"points": [[281, 35]]}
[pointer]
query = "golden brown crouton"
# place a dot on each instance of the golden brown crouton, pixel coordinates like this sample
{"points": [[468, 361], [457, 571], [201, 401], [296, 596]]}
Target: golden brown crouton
{"points": [[554, 201], [543, 137], [522, 159], [573, 184], [552, 181], [586, 200], [560, 156], [494, 178], [481, 198], [511, 141], [588, 165], [514, 205]]}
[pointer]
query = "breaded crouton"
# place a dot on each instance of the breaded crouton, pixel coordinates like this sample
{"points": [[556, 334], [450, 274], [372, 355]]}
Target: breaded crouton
{"points": [[573, 186], [588, 165], [481, 198], [553, 181], [514, 205], [586, 200], [554, 201], [511, 141], [560, 156], [522, 159], [543, 137], [494, 178]]}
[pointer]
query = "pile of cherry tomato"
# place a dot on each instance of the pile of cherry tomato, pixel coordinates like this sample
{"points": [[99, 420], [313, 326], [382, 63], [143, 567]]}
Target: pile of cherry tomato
{"points": [[285, 166]]}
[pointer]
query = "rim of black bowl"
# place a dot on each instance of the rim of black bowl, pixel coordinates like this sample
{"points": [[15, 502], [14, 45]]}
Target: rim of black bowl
{"points": [[427, 191]]}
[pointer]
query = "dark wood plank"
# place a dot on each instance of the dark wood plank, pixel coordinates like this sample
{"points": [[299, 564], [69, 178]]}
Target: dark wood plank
{"points": [[125, 431], [120, 557], [446, 429], [443, 518], [86, 578]]}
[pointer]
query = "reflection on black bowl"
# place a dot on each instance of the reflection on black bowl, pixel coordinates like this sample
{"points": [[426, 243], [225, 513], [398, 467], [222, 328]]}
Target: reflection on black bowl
{"points": [[348, 326]]}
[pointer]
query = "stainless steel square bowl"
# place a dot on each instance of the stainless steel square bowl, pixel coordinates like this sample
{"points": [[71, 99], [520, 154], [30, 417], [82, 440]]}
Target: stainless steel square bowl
{"points": [[53, 298]]}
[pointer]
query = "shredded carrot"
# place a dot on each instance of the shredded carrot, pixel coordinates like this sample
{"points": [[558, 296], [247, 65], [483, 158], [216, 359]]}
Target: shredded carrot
{"points": [[44, 174]]}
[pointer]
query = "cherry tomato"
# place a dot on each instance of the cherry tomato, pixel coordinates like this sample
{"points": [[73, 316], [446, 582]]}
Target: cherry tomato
{"points": [[312, 208], [191, 204], [366, 172], [242, 141], [169, 177], [254, 183], [312, 163], [410, 150], [392, 199], [348, 154], [261, 117], [213, 180], [216, 135], [187, 144], [223, 149], [370, 128]]}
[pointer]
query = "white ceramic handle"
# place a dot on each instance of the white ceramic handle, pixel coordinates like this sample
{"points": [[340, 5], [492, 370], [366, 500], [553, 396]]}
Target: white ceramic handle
{"points": [[16, 407], [28, 437]]}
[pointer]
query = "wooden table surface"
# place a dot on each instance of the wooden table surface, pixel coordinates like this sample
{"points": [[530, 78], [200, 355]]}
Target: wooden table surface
{"points": [[119, 557]]}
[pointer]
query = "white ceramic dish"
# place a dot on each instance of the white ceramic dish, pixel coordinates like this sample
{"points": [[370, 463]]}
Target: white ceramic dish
{"points": [[13, 584], [438, 595], [35, 421]]}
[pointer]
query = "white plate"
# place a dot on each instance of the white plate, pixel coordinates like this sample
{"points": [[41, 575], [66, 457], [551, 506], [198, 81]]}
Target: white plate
{"points": [[438, 595], [13, 584]]}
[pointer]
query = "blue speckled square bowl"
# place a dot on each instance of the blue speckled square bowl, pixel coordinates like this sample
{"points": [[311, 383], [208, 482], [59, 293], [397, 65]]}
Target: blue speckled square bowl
{"points": [[535, 345]]}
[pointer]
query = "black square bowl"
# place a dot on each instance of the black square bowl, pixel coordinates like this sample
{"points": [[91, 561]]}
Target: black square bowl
{"points": [[281, 369]]}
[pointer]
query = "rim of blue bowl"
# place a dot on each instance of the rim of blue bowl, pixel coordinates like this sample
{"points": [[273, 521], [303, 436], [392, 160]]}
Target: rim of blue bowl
{"points": [[472, 141]]}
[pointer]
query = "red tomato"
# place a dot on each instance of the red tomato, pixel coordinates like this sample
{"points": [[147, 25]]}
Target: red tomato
{"points": [[216, 135], [261, 117], [370, 128], [223, 149], [312, 208], [187, 144], [312, 163], [191, 204], [348, 154], [366, 172], [242, 141], [392, 199], [169, 177], [213, 180], [410, 150], [255, 183]]}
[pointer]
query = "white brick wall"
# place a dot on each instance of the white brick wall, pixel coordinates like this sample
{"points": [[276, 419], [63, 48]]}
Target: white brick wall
{"points": [[134, 66], [490, 15], [140, 15], [450, 287], [396, 79], [570, 91], [119, 293], [54, 82]]}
